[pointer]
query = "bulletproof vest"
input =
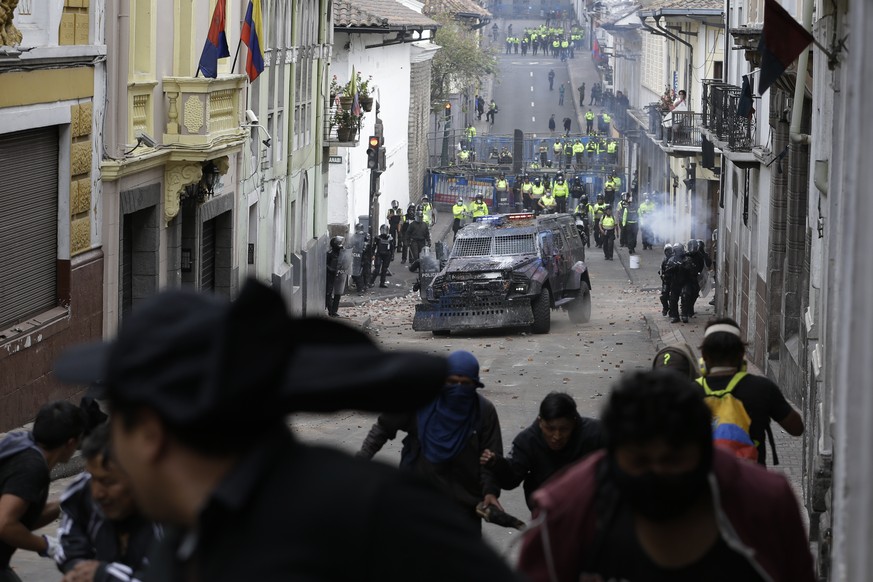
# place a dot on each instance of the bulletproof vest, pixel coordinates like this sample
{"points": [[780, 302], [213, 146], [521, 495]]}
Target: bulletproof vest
{"points": [[526, 187], [607, 222], [632, 215], [538, 190], [383, 244]]}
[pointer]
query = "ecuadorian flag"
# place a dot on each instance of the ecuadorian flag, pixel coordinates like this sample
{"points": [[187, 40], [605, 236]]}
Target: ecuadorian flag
{"points": [[253, 36]]}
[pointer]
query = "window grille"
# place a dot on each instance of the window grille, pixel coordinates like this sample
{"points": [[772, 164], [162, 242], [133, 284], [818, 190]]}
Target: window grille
{"points": [[516, 244]]}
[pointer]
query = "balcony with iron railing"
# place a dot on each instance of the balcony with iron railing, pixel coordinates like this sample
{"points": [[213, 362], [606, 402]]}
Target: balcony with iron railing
{"points": [[341, 129], [724, 126], [203, 111], [677, 132]]}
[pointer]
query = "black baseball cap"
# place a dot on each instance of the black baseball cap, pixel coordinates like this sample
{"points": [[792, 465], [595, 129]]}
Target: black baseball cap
{"points": [[198, 360]]}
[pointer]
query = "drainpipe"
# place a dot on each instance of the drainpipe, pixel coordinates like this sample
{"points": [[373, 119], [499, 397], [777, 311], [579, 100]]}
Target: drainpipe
{"points": [[800, 87], [672, 36], [727, 45]]}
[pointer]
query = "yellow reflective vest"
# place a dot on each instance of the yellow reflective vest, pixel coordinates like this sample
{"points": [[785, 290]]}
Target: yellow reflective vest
{"points": [[459, 210], [426, 213], [599, 209], [501, 185], [560, 190], [589, 116], [526, 187], [479, 209], [547, 201], [607, 222], [537, 191], [578, 147]]}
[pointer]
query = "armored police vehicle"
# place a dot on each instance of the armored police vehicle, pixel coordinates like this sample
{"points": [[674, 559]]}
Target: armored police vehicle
{"points": [[509, 270]]}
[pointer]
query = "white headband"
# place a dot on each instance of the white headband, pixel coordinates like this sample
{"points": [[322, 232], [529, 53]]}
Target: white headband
{"points": [[722, 327]]}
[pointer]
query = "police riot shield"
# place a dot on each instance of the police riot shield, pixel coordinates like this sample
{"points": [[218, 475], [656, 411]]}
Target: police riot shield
{"points": [[704, 279], [343, 267], [356, 245], [428, 268]]}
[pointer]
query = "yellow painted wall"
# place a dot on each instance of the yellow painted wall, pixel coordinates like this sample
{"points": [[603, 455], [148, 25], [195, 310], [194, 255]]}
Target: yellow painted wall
{"points": [[46, 86]]}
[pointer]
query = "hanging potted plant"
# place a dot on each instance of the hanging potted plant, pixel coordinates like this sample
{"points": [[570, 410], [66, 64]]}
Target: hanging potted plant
{"points": [[366, 89], [346, 123], [347, 97]]}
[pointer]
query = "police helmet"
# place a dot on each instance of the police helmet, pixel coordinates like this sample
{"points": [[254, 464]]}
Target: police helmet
{"points": [[419, 216], [692, 246], [336, 243], [537, 181], [395, 204], [359, 227], [480, 198], [701, 246], [600, 197], [425, 199], [460, 201], [560, 180], [678, 249], [668, 250], [383, 229], [583, 199]]}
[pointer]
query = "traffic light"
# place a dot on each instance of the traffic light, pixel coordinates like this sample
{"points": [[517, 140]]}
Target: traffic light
{"points": [[373, 152]]}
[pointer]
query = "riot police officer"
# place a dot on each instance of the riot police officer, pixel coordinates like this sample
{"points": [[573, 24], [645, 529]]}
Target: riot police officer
{"points": [[356, 244], [479, 208], [599, 209], [384, 253], [679, 268], [333, 289], [395, 219], [666, 279], [582, 214], [418, 234], [560, 190], [459, 212]]}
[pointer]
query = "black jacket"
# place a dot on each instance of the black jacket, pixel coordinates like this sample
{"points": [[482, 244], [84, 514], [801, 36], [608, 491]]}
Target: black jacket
{"points": [[289, 511], [86, 534], [532, 461], [418, 231], [462, 478]]}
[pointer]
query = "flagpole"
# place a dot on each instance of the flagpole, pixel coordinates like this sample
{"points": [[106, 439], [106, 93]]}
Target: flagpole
{"points": [[235, 55]]}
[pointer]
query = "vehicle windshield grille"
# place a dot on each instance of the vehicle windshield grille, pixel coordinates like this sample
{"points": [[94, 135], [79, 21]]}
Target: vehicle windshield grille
{"points": [[472, 247], [516, 244]]}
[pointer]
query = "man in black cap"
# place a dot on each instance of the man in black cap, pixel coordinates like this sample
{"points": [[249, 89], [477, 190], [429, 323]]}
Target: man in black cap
{"points": [[199, 392]]}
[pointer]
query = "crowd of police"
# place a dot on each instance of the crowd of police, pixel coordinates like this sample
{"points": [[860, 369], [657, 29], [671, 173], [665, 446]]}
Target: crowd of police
{"points": [[560, 43], [683, 270], [405, 232]]}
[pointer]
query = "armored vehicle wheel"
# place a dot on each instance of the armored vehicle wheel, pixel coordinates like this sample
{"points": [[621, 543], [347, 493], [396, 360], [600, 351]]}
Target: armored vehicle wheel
{"points": [[542, 311], [579, 309]]}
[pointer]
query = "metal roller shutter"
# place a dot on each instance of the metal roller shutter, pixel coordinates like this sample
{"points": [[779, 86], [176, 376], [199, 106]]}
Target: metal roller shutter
{"points": [[28, 223], [207, 257]]}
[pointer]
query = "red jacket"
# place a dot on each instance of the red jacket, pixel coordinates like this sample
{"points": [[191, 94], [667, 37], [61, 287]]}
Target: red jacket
{"points": [[757, 516]]}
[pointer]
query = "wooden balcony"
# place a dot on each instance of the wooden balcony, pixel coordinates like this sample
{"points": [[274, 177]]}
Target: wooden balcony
{"points": [[204, 112]]}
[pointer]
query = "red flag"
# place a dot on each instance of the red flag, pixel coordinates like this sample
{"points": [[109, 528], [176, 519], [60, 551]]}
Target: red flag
{"points": [[216, 43], [782, 41]]}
